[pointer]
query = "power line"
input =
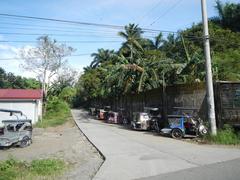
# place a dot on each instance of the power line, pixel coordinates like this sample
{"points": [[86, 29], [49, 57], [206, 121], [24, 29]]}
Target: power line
{"points": [[189, 37], [89, 24], [167, 11], [63, 29], [53, 34], [104, 32], [17, 58], [145, 30], [81, 35], [64, 21], [63, 41], [150, 10], [82, 23], [72, 26], [43, 29]]}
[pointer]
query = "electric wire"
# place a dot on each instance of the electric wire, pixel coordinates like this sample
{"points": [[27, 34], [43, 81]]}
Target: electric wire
{"points": [[80, 23], [166, 12], [62, 41], [17, 58], [150, 10]]}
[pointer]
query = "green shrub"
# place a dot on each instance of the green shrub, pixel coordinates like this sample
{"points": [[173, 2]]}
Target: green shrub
{"points": [[47, 166], [57, 105], [13, 169], [8, 169], [57, 113], [225, 136]]}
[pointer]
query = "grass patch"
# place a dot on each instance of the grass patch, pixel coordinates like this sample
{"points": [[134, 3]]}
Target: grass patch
{"points": [[225, 136], [12, 169], [58, 112]]}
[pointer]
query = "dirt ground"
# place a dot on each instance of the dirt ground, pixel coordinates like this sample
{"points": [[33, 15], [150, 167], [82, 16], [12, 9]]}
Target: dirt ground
{"points": [[63, 142]]}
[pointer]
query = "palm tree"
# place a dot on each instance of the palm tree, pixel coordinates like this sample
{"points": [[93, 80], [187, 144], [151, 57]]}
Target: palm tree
{"points": [[101, 56], [132, 35], [157, 42], [123, 75]]}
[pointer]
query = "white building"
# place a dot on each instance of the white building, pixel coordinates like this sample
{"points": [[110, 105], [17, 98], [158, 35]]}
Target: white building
{"points": [[26, 100]]}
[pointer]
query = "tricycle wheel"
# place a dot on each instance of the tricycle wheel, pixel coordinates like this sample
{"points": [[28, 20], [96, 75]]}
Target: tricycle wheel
{"points": [[177, 133], [25, 142], [156, 127]]}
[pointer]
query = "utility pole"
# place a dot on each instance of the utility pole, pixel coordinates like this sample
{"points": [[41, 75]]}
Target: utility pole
{"points": [[209, 81]]}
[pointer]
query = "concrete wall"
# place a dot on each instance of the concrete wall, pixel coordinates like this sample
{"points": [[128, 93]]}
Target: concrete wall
{"points": [[179, 95], [227, 100]]}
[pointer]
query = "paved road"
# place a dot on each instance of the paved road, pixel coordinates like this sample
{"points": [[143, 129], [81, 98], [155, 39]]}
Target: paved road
{"points": [[143, 155]]}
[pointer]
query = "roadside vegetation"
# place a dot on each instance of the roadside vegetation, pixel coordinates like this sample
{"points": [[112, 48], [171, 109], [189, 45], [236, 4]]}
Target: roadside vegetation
{"points": [[57, 113], [143, 63], [12, 169], [225, 136], [57, 107]]}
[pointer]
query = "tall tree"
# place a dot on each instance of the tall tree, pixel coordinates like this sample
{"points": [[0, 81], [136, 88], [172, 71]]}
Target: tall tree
{"points": [[45, 60], [101, 56], [132, 35]]}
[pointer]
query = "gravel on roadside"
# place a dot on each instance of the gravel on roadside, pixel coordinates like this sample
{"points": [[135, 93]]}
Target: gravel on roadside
{"points": [[64, 142]]}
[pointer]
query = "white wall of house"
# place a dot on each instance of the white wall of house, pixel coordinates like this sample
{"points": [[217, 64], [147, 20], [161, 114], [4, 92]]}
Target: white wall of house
{"points": [[31, 108]]}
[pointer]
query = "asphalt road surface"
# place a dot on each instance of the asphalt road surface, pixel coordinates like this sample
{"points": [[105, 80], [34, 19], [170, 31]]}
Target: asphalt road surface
{"points": [[143, 155]]}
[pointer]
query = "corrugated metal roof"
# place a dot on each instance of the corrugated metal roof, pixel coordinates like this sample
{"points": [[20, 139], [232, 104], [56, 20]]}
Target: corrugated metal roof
{"points": [[20, 94]]}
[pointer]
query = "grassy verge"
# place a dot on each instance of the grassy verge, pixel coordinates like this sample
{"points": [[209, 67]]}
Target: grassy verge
{"points": [[226, 136], [58, 112], [37, 169]]}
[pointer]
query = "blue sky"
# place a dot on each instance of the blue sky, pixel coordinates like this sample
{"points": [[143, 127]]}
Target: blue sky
{"points": [[167, 14]]}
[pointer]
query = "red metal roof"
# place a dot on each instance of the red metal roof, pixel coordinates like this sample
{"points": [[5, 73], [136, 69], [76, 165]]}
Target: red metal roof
{"points": [[20, 94]]}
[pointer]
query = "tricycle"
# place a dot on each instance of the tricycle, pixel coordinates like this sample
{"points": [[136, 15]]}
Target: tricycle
{"points": [[15, 132], [156, 120], [184, 123], [113, 117], [92, 111], [140, 121], [122, 116], [102, 114]]}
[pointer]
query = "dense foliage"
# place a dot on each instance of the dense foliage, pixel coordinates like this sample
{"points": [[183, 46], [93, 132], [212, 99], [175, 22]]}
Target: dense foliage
{"points": [[57, 113], [142, 63], [9, 80]]}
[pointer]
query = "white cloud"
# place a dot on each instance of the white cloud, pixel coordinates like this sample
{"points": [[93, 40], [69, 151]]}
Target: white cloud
{"points": [[8, 48], [9, 64]]}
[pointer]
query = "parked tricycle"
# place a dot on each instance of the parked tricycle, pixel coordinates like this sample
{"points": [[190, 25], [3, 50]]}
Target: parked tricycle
{"points": [[113, 117], [100, 114], [103, 113], [92, 111], [15, 132], [184, 124], [122, 116], [140, 121], [156, 121]]}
